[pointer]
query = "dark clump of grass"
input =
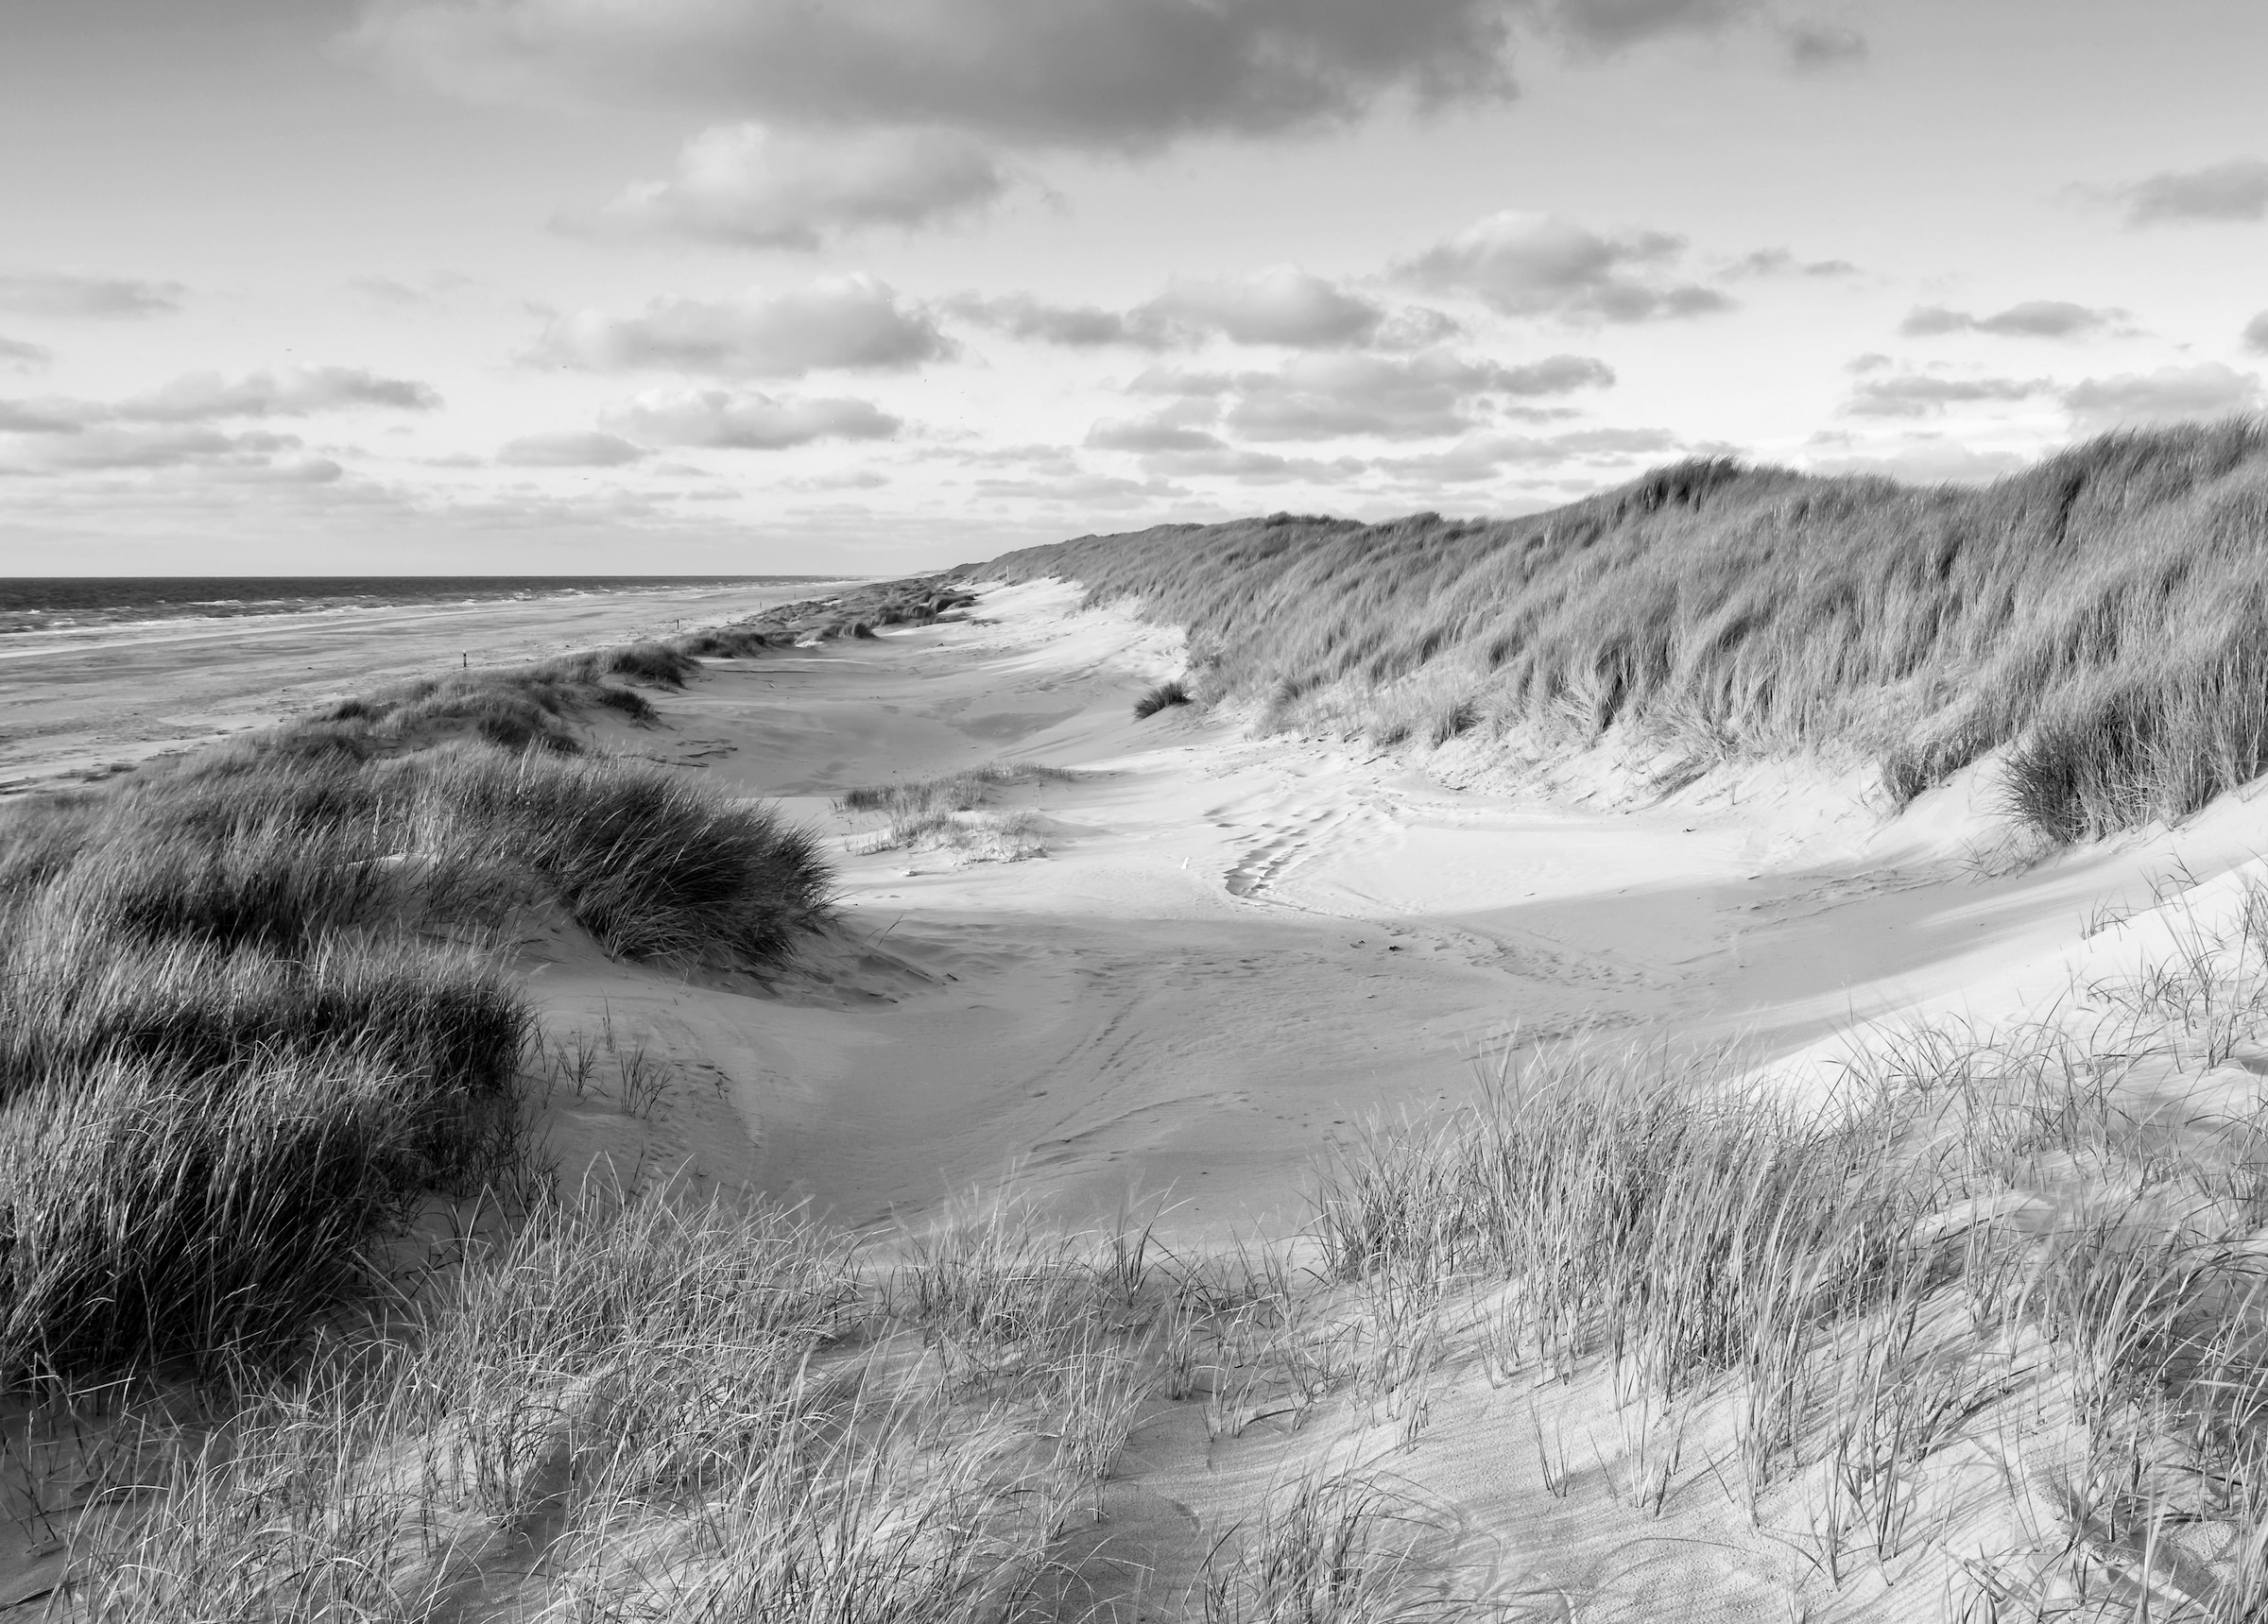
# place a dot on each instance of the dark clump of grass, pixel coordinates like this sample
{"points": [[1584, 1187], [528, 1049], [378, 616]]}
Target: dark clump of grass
{"points": [[2097, 617], [1166, 694]]}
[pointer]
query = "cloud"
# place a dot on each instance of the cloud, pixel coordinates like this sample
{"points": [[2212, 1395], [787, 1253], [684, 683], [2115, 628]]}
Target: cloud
{"points": [[849, 323], [2255, 333], [2169, 394], [2237, 190], [1098, 73], [745, 420], [1780, 262], [1915, 395], [29, 417], [1486, 456], [2033, 318], [113, 448], [59, 292], [199, 397], [1873, 361], [1026, 316], [1819, 47], [1929, 460], [752, 186], [1416, 396], [1284, 306], [1540, 264], [18, 356], [1148, 436], [1607, 24], [585, 448]]}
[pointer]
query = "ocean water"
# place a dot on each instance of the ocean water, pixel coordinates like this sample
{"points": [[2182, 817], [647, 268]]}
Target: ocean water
{"points": [[62, 602]]}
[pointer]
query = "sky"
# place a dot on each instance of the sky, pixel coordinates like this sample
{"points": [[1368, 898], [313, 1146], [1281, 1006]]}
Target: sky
{"points": [[657, 286]]}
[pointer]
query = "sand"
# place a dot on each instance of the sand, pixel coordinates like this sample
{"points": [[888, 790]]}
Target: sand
{"points": [[1233, 950]]}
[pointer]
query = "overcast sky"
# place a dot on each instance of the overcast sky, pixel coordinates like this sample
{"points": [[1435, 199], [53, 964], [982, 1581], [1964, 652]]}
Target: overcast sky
{"points": [[809, 285]]}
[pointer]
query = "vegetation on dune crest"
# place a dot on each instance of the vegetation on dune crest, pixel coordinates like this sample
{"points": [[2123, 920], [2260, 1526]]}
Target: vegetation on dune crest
{"points": [[2102, 616]]}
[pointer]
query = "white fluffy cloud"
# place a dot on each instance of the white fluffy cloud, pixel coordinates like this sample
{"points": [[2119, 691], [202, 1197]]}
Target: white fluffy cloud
{"points": [[62, 293], [1486, 456], [757, 187], [1417, 397], [2033, 318], [294, 392], [1283, 306], [1100, 72], [1540, 264], [1921, 395], [17, 355], [849, 323], [735, 420], [587, 448], [2255, 336], [2169, 394], [2237, 190]]}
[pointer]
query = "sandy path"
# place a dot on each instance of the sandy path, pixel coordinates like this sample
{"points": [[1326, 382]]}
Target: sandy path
{"points": [[1235, 948], [76, 700]]}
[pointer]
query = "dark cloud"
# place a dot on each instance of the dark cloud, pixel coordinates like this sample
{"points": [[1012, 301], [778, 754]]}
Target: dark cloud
{"points": [[59, 292], [1075, 72], [1419, 397], [845, 324], [19, 356], [2255, 333], [1540, 264], [754, 187], [575, 449], [1818, 47], [2237, 190], [745, 420], [1916, 394], [1873, 361], [2033, 318], [1611, 23], [2171, 394]]}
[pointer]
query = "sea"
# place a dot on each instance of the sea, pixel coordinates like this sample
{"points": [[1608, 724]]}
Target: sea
{"points": [[61, 603]]}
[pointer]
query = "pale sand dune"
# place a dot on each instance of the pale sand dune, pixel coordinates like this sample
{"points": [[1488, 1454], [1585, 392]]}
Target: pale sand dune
{"points": [[1235, 948]]}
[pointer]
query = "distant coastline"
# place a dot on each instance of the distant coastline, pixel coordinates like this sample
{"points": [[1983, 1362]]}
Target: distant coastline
{"points": [[64, 603]]}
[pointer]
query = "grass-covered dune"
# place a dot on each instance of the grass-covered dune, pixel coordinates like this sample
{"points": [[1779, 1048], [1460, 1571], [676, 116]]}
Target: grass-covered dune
{"points": [[2103, 615], [251, 1008]]}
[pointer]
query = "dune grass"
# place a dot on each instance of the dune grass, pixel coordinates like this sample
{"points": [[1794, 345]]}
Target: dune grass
{"points": [[2036, 1242], [1164, 696], [928, 813], [2100, 617]]}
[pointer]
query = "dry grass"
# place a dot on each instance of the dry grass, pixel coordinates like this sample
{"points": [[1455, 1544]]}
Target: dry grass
{"points": [[2102, 616], [944, 813]]}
